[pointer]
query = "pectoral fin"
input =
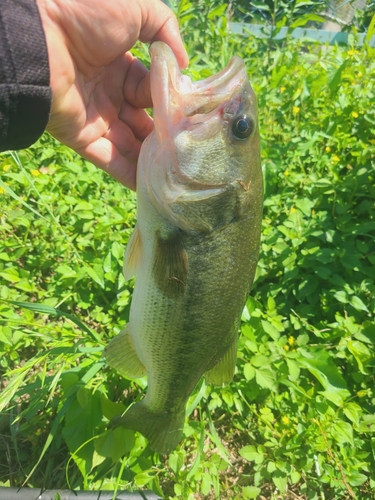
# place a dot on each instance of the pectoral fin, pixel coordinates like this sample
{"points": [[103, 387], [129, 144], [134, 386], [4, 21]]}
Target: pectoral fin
{"points": [[222, 373], [170, 265], [120, 355], [132, 254]]}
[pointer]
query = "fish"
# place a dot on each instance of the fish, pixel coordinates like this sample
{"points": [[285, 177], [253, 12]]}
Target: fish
{"points": [[195, 246]]}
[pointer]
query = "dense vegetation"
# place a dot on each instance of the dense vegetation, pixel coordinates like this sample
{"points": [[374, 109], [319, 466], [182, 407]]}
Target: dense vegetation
{"points": [[286, 12], [298, 421]]}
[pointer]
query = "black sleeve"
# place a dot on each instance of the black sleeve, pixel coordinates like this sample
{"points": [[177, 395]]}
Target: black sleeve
{"points": [[25, 94]]}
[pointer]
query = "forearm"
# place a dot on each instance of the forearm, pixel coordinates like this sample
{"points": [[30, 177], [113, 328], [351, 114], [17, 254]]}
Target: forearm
{"points": [[25, 94]]}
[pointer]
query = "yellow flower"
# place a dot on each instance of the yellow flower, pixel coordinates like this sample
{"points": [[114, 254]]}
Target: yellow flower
{"points": [[359, 74], [292, 210], [6, 167], [282, 89], [335, 158], [35, 173], [296, 110], [286, 347], [285, 420], [328, 149], [354, 114], [352, 52], [291, 340], [2, 190], [286, 173]]}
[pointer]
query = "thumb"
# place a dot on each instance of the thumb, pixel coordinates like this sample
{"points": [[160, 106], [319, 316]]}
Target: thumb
{"points": [[160, 23]]}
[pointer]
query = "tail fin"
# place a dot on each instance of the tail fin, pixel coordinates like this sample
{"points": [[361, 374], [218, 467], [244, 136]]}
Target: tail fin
{"points": [[163, 430]]}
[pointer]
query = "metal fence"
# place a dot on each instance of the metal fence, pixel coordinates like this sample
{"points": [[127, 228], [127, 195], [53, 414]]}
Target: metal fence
{"points": [[37, 494]]}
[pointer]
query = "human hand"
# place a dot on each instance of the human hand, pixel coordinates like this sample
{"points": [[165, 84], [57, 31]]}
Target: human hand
{"points": [[99, 89]]}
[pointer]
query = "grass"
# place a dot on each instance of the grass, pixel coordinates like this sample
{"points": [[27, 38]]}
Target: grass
{"points": [[298, 421]]}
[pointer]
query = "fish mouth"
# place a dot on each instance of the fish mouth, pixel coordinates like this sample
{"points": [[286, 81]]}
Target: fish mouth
{"points": [[175, 96]]}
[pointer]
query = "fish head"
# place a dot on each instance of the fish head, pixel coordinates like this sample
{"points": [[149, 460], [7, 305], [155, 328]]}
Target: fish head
{"points": [[205, 139]]}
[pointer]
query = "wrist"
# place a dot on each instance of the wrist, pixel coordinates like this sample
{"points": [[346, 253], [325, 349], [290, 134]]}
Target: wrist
{"points": [[60, 63]]}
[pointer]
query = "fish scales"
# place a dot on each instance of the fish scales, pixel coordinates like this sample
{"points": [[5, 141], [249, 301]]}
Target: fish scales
{"points": [[195, 246]]}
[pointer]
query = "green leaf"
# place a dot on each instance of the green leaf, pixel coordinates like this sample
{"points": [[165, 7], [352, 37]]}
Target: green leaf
{"points": [[176, 461], [215, 439], [250, 491], [5, 335], [305, 205], [206, 483], [335, 81], [271, 467], [265, 378], [10, 274], [321, 365], [251, 454], [370, 30], [66, 271], [259, 360], [271, 330], [333, 396], [358, 304], [115, 443], [307, 287], [361, 353], [305, 18], [280, 480], [142, 479], [217, 11], [342, 432], [295, 476], [353, 411], [227, 397], [111, 409], [341, 296], [94, 274], [277, 76], [356, 478], [294, 369], [249, 371], [107, 263], [302, 339], [117, 251], [372, 442]]}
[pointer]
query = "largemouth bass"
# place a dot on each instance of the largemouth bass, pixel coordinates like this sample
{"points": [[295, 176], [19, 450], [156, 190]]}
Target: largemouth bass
{"points": [[194, 249]]}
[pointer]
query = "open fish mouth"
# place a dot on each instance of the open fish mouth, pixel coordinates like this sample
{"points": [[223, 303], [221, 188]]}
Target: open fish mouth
{"points": [[187, 113], [175, 96]]}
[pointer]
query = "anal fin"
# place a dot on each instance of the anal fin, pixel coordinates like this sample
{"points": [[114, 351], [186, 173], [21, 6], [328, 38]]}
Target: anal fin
{"points": [[132, 254], [120, 355], [222, 373]]}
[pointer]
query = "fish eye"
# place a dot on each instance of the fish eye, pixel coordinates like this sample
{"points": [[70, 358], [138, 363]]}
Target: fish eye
{"points": [[242, 127]]}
